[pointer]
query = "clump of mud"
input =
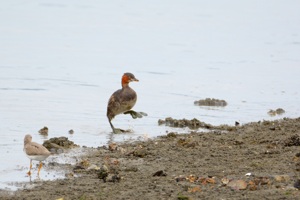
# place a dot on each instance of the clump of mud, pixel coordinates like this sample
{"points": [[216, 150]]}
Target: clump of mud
{"points": [[193, 124], [210, 102], [278, 111], [181, 123], [44, 131], [294, 140], [59, 144]]}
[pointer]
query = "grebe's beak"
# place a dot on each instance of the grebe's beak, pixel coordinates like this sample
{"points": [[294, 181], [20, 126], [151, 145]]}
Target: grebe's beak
{"points": [[134, 79]]}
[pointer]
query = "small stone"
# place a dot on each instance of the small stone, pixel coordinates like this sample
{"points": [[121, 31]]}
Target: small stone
{"points": [[261, 180], [237, 184], [140, 153], [225, 181], [252, 186], [93, 167], [272, 128], [180, 178], [112, 146], [297, 184], [84, 163], [78, 168], [113, 178], [160, 173], [194, 189], [248, 174], [172, 135], [71, 131], [282, 178], [122, 150], [103, 172], [192, 178], [211, 180], [69, 175], [297, 166]]}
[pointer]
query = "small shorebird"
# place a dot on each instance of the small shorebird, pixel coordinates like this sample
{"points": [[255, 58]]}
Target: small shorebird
{"points": [[122, 100], [35, 151]]}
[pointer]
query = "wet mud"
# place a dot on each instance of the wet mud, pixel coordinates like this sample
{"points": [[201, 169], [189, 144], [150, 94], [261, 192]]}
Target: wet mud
{"points": [[59, 144], [211, 102], [250, 161]]}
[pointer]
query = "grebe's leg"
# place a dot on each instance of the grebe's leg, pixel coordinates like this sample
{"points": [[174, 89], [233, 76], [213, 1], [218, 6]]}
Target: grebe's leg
{"points": [[135, 114], [116, 130]]}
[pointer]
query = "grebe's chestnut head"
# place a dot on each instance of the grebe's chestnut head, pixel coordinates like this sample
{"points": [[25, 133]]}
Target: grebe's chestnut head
{"points": [[128, 77]]}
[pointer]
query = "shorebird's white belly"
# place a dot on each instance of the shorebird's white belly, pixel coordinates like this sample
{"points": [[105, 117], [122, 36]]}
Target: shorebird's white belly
{"points": [[37, 157]]}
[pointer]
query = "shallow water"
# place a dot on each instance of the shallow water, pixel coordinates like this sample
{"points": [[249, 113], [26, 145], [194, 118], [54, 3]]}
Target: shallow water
{"points": [[61, 61]]}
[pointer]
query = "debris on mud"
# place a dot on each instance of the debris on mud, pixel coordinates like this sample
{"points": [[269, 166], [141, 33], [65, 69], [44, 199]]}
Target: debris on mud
{"points": [[59, 144], [44, 131], [180, 123], [278, 111], [297, 184], [294, 140], [192, 124], [103, 173], [211, 102], [160, 173]]}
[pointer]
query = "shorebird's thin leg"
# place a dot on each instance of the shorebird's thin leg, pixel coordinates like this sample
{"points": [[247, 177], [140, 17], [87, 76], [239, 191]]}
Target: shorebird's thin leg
{"points": [[40, 167], [29, 172]]}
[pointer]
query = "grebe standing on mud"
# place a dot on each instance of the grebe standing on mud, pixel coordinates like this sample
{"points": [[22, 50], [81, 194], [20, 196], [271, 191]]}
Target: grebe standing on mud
{"points": [[122, 100]]}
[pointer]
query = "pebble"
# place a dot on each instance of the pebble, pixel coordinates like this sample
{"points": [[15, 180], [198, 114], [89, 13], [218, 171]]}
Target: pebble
{"points": [[112, 146], [297, 184], [93, 166], [103, 172], [225, 181], [282, 178], [160, 173], [237, 184]]}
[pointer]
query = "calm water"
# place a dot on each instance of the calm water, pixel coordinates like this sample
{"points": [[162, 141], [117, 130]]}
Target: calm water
{"points": [[61, 60]]}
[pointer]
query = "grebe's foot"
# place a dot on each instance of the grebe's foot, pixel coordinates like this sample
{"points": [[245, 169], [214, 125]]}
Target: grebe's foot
{"points": [[119, 131], [135, 114], [144, 114]]}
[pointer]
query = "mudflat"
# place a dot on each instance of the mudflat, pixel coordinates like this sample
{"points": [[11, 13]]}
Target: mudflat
{"points": [[258, 160]]}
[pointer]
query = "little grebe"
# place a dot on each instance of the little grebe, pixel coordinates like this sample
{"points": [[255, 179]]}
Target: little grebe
{"points": [[122, 100]]}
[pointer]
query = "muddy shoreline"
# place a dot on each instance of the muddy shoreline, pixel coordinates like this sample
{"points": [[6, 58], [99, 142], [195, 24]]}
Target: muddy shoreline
{"points": [[259, 160]]}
